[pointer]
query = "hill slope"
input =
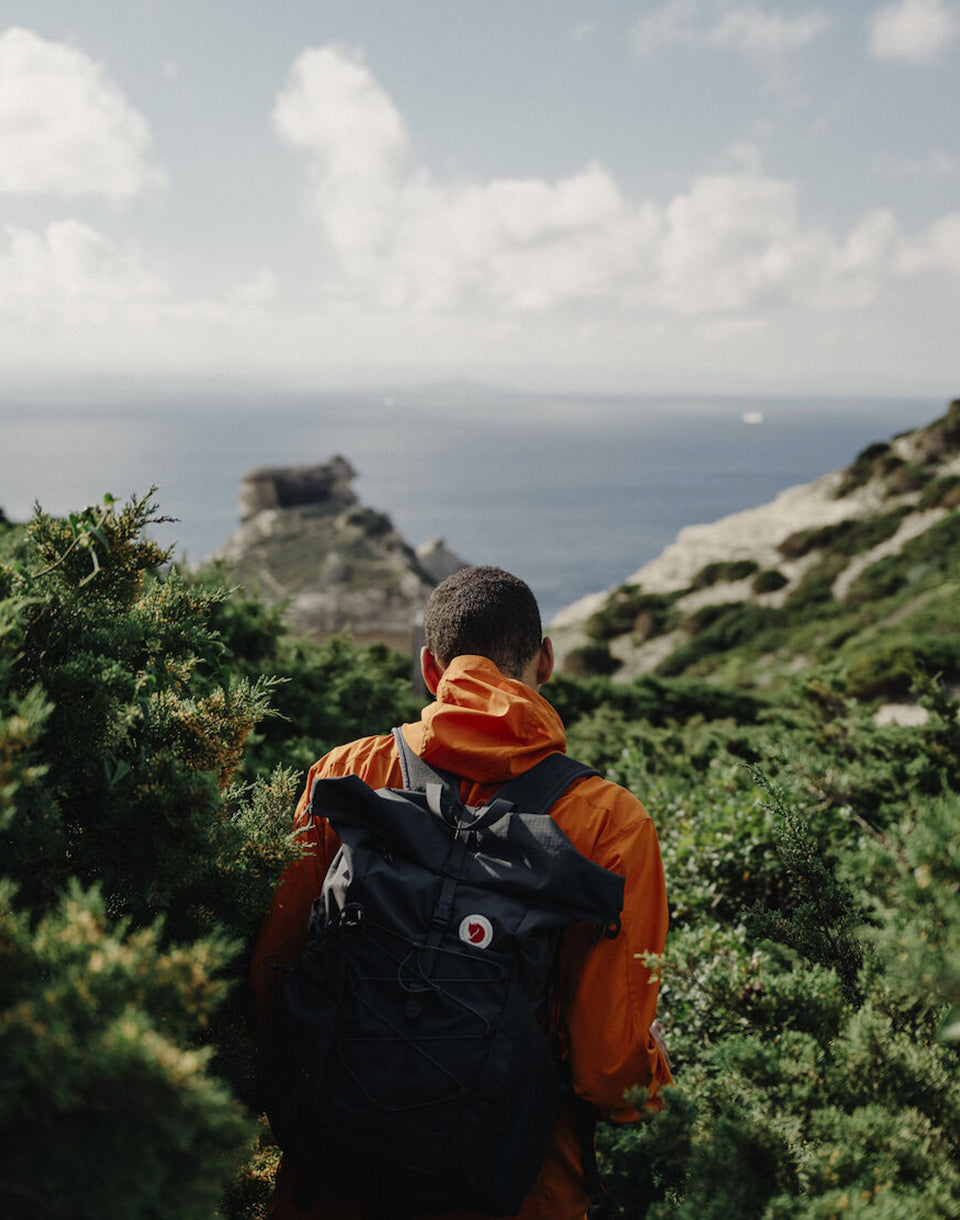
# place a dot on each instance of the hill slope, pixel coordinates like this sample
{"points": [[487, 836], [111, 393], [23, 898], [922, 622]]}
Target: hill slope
{"points": [[859, 570]]}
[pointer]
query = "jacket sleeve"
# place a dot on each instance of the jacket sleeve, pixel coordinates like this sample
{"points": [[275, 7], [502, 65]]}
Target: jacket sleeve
{"points": [[610, 997]]}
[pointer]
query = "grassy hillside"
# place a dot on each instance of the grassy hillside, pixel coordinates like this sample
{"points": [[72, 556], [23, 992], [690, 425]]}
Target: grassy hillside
{"points": [[873, 597]]}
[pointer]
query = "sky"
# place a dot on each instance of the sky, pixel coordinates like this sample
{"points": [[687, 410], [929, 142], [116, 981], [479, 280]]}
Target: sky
{"points": [[684, 196]]}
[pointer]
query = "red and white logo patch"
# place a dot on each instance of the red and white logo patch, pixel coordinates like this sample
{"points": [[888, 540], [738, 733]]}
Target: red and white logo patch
{"points": [[476, 930]]}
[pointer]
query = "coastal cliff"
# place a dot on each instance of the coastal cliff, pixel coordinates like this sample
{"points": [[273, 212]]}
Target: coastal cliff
{"points": [[779, 581]]}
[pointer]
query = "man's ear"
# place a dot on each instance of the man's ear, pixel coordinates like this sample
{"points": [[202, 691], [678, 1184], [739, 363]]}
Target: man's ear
{"points": [[431, 669], [545, 661]]}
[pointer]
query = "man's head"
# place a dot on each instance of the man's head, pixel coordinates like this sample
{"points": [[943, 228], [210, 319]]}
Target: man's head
{"points": [[486, 612]]}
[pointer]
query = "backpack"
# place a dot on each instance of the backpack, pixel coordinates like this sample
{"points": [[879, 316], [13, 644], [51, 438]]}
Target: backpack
{"points": [[410, 1059]]}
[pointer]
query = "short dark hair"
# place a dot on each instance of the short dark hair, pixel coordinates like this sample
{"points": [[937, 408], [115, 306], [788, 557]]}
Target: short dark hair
{"points": [[486, 612]]}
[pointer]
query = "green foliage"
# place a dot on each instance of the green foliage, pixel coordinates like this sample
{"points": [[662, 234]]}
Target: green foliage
{"points": [[941, 493], [656, 701], [591, 660], [717, 630], [850, 537], [922, 564], [106, 1110], [890, 667], [820, 915], [628, 610], [769, 580], [321, 694], [732, 569], [135, 873], [810, 1019], [875, 459], [810, 991], [917, 909]]}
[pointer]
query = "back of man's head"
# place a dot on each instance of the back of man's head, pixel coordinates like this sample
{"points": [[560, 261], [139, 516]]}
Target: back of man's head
{"points": [[486, 612]]}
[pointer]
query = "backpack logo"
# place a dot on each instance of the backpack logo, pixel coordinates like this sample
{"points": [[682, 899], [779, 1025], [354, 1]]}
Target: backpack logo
{"points": [[476, 930]]}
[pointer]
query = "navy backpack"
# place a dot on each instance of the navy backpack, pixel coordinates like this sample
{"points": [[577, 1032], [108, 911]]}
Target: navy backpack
{"points": [[410, 1058]]}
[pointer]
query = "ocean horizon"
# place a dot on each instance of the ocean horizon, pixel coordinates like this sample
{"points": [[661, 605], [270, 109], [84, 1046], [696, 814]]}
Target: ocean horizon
{"points": [[573, 492]]}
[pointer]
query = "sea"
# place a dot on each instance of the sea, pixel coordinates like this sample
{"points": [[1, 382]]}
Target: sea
{"points": [[574, 492]]}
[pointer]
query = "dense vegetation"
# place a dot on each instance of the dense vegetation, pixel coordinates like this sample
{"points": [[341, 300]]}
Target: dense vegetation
{"points": [[153, 731]]}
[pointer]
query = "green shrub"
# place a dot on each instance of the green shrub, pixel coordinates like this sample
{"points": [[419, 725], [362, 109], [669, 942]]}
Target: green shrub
{"points": [[941, 493], [721, 628], [728, 570], [630, 611], [655, 701], [814, 590], [891, 666], [134, 874], [906, 479], [876, 459], [108, 1108], [769, 581], [591, 659], [850, 537]]}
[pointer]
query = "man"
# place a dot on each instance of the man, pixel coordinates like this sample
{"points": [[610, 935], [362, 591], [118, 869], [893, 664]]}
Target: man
{"points": [[485, 660]]}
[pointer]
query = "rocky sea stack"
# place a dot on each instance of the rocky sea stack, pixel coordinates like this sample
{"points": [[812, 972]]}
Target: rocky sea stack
{"points": [[305, 541]]}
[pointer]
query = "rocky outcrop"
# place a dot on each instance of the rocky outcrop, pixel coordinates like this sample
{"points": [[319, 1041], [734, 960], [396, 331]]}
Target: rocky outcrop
{"points": [[761, 556], [306, 542], [437, 560], [323, 488]]}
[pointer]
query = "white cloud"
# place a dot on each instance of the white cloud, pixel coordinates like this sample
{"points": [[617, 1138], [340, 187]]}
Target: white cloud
{"points": [[65, 127], [757, 34], [916, 31], [400, 239], [937, 251], [70, 272], [936, 164], [747, 29], [333, 108], [677, 23]]}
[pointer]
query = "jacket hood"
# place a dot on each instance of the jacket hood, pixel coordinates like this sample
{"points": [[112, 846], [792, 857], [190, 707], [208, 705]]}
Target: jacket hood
{"points": [[484, 726]]}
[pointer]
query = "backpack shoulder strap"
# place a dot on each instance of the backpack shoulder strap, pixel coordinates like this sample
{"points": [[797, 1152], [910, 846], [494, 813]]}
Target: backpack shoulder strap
{"points": [[536, 790], [418, 774], [532, 792]]}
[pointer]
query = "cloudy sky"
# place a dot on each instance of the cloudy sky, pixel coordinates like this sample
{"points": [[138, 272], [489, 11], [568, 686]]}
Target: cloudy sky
{"points": [[676, 196]]}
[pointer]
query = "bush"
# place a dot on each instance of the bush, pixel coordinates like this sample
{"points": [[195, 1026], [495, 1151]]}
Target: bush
{"points": [[594, 659], [850, 537], [629, 610], [134, 874], [729, 570], [891, 666], [769, 581], [907, 479], [719, 628], [941, 493]]}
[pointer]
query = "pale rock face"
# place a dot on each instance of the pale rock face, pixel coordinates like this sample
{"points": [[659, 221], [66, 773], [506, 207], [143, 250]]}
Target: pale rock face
{"points": [[755, 533]]}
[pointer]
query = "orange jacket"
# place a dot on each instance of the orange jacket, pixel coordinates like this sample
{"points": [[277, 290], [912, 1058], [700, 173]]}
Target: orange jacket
{"points": [[488, 728]]}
